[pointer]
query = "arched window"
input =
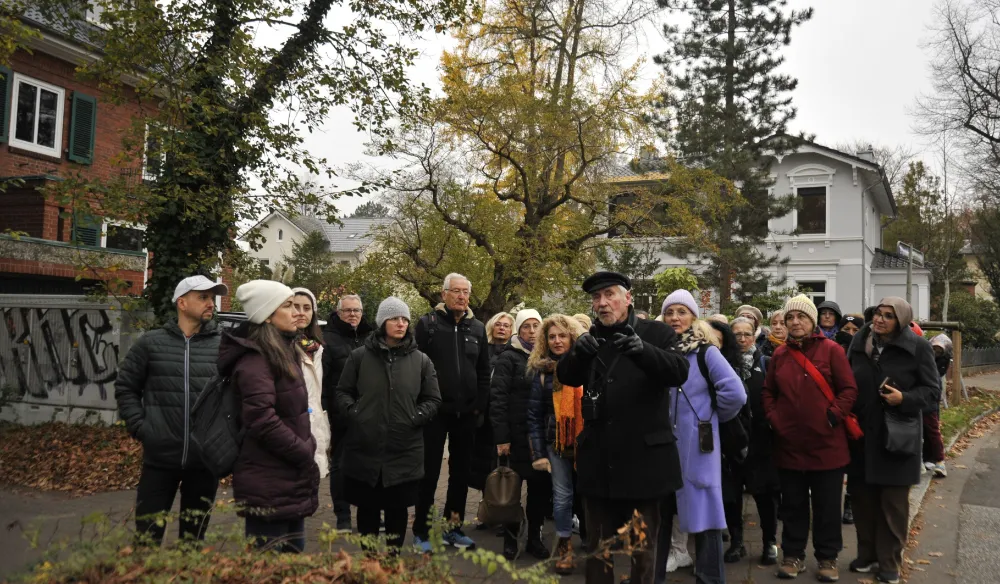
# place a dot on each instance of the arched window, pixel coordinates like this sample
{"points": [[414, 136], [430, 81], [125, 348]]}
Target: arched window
{"points": [[281, 235]]}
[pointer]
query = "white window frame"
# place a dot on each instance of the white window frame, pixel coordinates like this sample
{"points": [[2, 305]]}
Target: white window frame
{"points": [[808, 176], [812, 293], [148, 175], [129, 225], [56, 150]]}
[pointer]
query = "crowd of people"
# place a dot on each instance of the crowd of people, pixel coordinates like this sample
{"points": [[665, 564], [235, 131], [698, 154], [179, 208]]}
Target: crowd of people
{"points": [[603, 417]]}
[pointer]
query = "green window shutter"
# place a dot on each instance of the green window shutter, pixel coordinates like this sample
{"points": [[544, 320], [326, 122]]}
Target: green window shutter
{"points": [[87, 229], [83, 127], [6, 83]]}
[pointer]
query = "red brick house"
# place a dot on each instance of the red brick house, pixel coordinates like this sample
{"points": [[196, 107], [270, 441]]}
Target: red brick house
{"points": [[54, 126]]}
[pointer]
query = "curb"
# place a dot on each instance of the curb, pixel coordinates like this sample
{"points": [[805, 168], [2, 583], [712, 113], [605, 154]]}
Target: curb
{"points": [[919, 491]]}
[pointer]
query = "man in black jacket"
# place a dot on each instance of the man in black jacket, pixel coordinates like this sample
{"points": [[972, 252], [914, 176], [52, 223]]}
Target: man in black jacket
{"points": [[158, 383], [345, 331], [456, 343], [626, 456]]}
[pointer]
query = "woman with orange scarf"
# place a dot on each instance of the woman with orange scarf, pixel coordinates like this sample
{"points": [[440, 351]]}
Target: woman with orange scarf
{"points": [[554, 422]]}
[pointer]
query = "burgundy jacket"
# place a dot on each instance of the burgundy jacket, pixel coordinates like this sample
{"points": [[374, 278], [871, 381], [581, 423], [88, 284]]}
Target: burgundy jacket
{"points": [[797, 410], [275, 470]]}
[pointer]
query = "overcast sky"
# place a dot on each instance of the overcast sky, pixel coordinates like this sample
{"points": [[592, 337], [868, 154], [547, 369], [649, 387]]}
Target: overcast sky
{"points": [[860, 66]]}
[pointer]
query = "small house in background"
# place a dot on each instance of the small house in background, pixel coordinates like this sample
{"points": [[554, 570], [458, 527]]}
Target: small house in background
{"points": [[977, 285], [54, 126], [833, 241], [348, 240]]}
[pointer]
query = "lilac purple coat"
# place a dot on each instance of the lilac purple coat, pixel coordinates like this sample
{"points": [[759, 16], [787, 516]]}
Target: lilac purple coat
{"points": [[699, 502]]}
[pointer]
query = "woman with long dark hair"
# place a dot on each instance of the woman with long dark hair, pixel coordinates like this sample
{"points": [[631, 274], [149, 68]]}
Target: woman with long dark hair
{"points": [[276, 479], [309, 347]]}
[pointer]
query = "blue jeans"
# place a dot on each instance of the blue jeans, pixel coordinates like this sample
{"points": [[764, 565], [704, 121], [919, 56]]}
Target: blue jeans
{"points": [[283, 535], [562, 493]]}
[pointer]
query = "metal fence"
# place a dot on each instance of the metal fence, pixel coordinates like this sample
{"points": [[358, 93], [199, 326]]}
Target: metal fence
{"points": [[975, 357]]}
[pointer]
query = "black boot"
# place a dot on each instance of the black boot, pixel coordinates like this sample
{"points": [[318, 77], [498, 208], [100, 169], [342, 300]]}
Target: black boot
{"points": [[510, 543], [848, 512], [770, 555], [536, 547], [735, 553]]}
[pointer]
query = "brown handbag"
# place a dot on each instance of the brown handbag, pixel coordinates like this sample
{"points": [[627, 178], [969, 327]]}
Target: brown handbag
{"points": [[501, 504]]}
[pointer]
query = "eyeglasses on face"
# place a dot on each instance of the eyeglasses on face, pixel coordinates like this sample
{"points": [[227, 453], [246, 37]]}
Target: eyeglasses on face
{"points": [[459, 291], [501, 325], [351, 310], [884, 316], [742, 335]]}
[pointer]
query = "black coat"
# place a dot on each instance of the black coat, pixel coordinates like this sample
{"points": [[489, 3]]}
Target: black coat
{"points": [[630, 451], [510, 391], [339, 340], [461, 358], [158, 383], [761, 474], [484, 453], [909, 360], [276, 470], [388, 395]]}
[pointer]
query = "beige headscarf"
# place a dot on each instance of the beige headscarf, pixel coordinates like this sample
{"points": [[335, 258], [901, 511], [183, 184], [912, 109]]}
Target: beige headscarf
{"points": [[904, 316]]}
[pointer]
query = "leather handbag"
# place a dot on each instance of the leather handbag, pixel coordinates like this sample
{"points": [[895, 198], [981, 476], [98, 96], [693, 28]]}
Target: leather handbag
{"points": [[501, 504], [903, 434]]}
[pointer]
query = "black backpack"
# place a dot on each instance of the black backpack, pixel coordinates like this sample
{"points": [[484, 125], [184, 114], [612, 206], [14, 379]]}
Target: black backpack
{"points": [[216, 426], [733, 434]]}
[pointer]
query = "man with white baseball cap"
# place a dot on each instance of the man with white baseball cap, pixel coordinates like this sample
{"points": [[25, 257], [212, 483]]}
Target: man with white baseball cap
{"points": [[157, 384]]}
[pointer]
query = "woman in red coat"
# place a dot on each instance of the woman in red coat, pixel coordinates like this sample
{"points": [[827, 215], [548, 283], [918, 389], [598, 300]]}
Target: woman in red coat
{"points": [[810, 443], [276, 478]]}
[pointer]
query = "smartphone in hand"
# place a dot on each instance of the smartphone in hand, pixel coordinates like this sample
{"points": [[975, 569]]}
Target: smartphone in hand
{"points": [[884, 389]]}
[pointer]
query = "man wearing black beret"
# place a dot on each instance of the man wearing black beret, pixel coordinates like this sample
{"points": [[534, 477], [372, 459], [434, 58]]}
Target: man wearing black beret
{"points": [[626, 455]]}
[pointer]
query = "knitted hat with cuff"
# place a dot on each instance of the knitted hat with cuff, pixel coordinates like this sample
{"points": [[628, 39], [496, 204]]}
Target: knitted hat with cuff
{"points": [[260, 298], [390, 308], [803, 304]]}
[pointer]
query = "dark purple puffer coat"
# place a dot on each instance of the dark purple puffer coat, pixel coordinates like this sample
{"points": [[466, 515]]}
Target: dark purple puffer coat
{"points": [[275, 471]]}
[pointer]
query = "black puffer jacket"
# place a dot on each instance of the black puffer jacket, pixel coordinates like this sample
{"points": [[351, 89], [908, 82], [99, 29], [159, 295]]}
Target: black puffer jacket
{"points": [[761, 474], [388, 394], [276, 470], [339, 340], [541, 414], [461, 358], [158, 382], [510, 390]]}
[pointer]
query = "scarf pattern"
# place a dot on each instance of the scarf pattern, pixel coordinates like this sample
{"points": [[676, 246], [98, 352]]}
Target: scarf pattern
{"points": [[688, 342], [747, 364], [567, 403], [308, 345]]}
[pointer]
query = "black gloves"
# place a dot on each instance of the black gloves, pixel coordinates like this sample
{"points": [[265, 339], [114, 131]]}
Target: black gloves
{"points": [[628, 344], [586, 345]]}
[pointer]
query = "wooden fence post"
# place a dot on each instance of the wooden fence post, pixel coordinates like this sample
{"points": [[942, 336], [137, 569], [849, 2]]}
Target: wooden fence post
{"points": [[956, 369]]}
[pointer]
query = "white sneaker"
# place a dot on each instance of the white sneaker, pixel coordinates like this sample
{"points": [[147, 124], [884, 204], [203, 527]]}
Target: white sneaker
{"points": [[929, 465], [940, 471], [675, 561]]}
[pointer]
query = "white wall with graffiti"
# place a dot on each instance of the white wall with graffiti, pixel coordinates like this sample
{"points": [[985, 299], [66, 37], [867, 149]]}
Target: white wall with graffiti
{"points": [[59, 357]]}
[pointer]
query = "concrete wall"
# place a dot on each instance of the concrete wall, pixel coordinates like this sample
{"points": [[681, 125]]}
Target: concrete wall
{"points": [[59, 357]]}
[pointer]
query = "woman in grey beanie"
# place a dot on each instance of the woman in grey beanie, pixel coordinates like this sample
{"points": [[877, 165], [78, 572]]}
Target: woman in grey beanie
{"points": [[388, 391]]}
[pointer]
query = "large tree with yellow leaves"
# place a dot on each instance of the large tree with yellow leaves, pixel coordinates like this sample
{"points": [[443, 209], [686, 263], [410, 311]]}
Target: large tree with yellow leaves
{"points": [[506, 177]]}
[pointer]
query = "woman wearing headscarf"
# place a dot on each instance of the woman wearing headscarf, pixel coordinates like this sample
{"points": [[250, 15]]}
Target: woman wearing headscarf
{"points": [[753, 313], [699, 503], [275, 479], [389, 390], [510, 390], [309, 347], [896, 380], [829, 318], [809, 391], [776, 336], [554, 422], [758, 475]]}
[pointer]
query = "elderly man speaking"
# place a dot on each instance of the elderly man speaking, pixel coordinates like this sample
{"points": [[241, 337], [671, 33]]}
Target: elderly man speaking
{"points": [[626, 454]]}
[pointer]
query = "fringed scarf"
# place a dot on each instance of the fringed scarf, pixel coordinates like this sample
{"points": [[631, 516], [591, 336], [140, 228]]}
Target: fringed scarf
{"points": [[567, 403], [308, 345]]}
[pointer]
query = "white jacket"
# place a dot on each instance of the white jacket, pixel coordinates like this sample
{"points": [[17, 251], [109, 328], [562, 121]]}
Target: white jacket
{"points": [[312, 370]]}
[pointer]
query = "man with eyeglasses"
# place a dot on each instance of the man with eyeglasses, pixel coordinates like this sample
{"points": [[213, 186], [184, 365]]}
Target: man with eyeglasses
{"points": [[456, 343], [345, 331]]}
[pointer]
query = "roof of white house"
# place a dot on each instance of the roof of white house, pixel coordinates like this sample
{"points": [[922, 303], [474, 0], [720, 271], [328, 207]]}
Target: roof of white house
{"points": [[349, 235]]}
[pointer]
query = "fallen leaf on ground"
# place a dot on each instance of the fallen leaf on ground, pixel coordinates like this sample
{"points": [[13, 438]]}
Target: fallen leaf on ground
{"points": [[935, 554]]}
